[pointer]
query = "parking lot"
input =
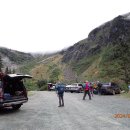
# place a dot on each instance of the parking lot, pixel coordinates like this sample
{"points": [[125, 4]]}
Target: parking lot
{"points": [[42, 113]]}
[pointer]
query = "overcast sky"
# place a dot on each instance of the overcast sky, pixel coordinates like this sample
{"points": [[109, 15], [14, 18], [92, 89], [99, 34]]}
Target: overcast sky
{"points": [[51, 25]]}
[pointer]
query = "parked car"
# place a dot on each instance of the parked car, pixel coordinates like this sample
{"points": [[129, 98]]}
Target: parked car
{"points": [[110, 88], [13, 93], [51, 86], [75, 87]]}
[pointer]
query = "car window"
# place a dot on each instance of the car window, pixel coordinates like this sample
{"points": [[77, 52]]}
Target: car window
{"points": [[79, 84], [74, 84]]}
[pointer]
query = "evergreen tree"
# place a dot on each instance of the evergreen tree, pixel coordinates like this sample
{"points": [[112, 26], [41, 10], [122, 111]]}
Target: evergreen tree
{"points": [[6, 70], [13, 71], [9, 71]]}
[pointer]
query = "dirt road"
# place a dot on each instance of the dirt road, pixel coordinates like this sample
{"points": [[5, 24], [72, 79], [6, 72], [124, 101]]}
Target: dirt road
{"points": [[41, 113]]}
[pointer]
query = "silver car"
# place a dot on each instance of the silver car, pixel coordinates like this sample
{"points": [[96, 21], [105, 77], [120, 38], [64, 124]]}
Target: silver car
{"points": [[75, 87]]}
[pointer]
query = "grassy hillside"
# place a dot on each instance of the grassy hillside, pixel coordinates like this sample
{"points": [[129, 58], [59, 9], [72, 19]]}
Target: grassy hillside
{"points": [[48, 69]]}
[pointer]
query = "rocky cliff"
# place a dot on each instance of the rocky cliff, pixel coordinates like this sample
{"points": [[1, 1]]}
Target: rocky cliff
{"points": [[107, 34]]}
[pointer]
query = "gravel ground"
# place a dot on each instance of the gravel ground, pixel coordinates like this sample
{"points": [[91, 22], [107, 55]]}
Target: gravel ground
{"points": [[41, 112]]}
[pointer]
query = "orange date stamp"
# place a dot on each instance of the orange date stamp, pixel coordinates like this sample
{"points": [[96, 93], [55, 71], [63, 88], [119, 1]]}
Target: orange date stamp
{"points": [[119, 115]]}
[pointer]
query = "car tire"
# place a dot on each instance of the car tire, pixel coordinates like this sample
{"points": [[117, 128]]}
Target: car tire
{"points": [[16, 107], [113, 92], [119, 91], [79, 91], [101, 93]]}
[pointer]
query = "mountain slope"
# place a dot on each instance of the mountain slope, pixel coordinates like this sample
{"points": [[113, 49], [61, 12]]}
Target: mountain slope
{"points": [[104, 56], [102, 36]]}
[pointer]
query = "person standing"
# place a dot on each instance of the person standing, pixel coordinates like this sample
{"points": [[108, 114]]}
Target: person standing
{"points": [[60, 88], [99, 85], [86, 90], [91, 89]]}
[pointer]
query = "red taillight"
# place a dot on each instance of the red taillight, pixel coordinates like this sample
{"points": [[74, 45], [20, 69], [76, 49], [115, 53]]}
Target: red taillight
{"points": [[1, 94]]}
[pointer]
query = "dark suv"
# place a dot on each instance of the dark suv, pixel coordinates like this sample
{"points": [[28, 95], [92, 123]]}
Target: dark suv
{"points": [[12, 90], [110, 88]]}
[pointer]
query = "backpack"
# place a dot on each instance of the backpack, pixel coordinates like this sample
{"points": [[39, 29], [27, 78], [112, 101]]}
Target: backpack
{"points": [[87, 86], [60, 88]]}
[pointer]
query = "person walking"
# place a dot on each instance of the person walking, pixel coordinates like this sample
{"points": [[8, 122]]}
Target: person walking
{"points": [[86, 90], [60, 88]]}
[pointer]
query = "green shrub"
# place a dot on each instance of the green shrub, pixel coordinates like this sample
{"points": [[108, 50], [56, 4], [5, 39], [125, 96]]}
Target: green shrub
{"points": [[30, 85], [42, 84], [125, 87]]}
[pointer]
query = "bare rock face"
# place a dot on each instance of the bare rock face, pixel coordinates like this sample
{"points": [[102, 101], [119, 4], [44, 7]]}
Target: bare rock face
{"points": [[69, 74], [13, 59], [8, 63]]}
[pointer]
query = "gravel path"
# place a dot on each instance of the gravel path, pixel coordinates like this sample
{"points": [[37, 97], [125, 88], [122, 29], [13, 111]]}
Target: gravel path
{"points": [[42, 113]]}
